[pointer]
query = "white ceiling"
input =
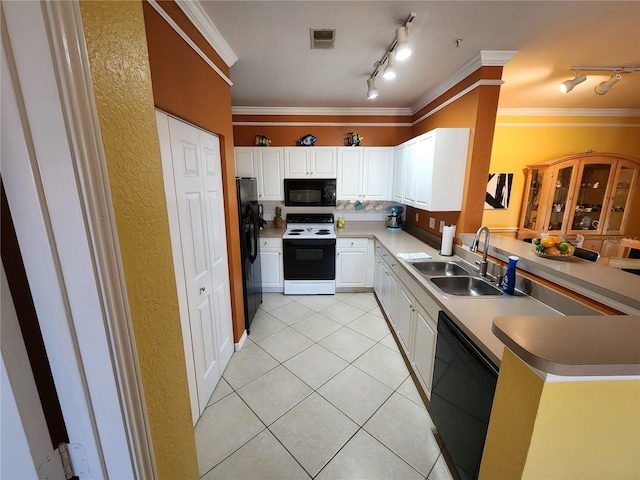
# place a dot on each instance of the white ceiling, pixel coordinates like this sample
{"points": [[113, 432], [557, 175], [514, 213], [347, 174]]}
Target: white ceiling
{"points": [[277, 68]]}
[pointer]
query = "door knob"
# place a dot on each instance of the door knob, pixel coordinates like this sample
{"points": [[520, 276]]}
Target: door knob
{"points": [[202, 289]]}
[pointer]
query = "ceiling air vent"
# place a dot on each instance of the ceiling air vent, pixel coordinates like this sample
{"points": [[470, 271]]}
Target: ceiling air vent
{"points": [[323, 39]]}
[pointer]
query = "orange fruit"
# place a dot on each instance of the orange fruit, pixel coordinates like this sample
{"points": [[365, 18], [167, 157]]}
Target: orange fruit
{"points": [[549, 241]]}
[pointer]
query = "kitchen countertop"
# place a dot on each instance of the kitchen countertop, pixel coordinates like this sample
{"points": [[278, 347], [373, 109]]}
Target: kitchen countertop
{"points": [[606, 285], [575, 346], [475, 315]]}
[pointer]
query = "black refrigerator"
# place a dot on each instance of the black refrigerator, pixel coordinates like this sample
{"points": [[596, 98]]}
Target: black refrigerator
{"points": [[248, 214]]}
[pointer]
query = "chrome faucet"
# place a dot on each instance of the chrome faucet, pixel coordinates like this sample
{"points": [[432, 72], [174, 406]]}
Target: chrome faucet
{"points": [[482, 264]]}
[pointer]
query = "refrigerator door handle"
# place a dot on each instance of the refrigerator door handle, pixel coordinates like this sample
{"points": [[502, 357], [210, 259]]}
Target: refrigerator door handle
{"points": [[253, 232]]}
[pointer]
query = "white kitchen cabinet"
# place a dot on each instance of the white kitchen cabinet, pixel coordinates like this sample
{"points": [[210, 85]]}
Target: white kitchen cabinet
{"points": [[405, 319], [364, 173], [435, 170], [310, 162], [351, 262], [399, 164], [354, 263], [424, 347], [266, 164], [271, 264]]}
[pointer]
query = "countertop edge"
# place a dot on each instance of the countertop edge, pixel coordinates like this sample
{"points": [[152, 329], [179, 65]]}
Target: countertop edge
{"points": [[541, 342]]}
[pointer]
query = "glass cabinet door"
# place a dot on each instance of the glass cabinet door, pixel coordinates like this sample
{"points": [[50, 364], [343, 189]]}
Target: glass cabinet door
{"points": [[531, 220], [557, 209], [625, 180], [589, 198]]}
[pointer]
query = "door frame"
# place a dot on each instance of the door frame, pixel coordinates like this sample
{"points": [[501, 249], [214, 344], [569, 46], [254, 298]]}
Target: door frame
{"points": [[67, 234]]}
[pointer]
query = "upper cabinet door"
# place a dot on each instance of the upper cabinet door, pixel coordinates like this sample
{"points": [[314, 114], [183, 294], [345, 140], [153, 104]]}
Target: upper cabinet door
{"points": [[270, 174], [624, 183], [297, 162], [349, 181], [323, 162], [246, 161], [310, 162], [399, 164], [377, 171]]}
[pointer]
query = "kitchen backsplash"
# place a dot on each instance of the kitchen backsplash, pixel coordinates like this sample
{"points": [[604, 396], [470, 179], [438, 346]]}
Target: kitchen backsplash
{"points": [[372, 211]]}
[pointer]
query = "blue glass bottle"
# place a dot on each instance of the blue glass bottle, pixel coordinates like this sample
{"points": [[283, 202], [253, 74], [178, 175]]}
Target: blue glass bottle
{"points": [[509, 281]]}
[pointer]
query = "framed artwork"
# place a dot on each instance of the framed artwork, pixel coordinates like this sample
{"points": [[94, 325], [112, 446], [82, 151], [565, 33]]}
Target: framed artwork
{"points": [[498, 190]]}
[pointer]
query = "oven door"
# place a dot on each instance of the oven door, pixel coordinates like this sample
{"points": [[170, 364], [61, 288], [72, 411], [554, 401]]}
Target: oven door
{"points": [[310, 259]]}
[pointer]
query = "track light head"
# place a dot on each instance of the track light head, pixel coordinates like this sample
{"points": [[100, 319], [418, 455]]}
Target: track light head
{"points": [[390, 69], [403, 47], [605, 86], [567, 86], [372, 91]]}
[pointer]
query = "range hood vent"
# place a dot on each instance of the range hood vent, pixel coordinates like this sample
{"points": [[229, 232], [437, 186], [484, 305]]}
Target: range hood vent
{"points": [[323, 39]]}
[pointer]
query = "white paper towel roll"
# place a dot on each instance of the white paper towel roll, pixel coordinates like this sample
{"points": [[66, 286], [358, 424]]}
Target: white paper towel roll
{"points": [[447, 240]]}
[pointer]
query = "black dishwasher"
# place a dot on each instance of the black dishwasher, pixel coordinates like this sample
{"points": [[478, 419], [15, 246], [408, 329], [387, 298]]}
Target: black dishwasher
{"points": [[464, 382]]}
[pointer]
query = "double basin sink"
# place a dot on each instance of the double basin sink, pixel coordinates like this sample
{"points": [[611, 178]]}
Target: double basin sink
{"points": [[454, 279]]}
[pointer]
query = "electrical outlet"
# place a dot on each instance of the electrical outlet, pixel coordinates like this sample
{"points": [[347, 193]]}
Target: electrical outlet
{"points": [[432, 222], [441, 226], [417, 217]]}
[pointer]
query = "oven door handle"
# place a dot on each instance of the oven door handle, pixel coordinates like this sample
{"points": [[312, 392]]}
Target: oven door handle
{"points": [[309, 242]]}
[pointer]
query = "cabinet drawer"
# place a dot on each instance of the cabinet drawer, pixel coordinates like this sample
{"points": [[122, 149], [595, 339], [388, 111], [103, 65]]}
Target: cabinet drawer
{"points": [[271, 243], [351, 243]]}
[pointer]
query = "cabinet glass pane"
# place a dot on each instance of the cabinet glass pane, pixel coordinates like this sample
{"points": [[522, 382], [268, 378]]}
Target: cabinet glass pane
{"points": [[620, 198], [593, 186], [560, 195], [533, 199]]}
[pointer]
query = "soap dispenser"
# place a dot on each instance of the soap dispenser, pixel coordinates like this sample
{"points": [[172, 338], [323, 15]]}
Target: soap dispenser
{"points": [[509, 281]]}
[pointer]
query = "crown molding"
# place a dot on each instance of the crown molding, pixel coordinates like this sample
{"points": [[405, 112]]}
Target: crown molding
{"points": [[568, 112], [196, 14], [321, 111], [485, 58]]}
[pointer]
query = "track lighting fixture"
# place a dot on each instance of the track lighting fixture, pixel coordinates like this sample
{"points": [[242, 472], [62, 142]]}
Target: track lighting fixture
{"points": [[372, 91], [616, 74], [567, 86], [605, 86], [403, 48], [390, 70], [400, 49]]}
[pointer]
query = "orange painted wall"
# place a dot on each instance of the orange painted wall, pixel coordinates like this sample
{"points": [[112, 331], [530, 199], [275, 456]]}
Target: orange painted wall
{"points": [[185, 86], [286, 134], [475, 110]]}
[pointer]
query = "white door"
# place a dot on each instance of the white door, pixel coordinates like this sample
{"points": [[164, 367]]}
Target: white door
{"points": [[424, 172], [270, 174], [377, 173], [349, 180], [296, 162], [323, 162], [399, 165], [246, 161], [198, 195]]}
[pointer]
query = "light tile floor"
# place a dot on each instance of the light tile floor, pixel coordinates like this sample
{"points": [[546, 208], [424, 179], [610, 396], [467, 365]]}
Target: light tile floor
{"points": [[319, 390]]}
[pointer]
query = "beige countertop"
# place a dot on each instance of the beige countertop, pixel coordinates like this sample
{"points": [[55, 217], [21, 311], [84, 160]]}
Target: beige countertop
{"points": [[574, 346], [606, 285], [475, 315]]}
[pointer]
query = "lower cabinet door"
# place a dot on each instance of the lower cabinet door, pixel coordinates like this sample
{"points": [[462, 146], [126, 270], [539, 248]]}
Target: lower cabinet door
{"points": [[404, 309], [272, 274], [351, 267], [424, 347]]}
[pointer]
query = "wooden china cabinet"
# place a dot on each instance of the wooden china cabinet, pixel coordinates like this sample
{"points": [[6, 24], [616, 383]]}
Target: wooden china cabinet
{"points": [[589, 194]]}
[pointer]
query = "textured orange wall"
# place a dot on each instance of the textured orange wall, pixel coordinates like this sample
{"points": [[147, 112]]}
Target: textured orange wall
{"points": [[117, 49], [327, 135], [475, 110], [185, 86]]}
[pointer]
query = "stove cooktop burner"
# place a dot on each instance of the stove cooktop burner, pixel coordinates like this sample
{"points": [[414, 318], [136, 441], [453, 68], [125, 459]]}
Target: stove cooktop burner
{"points": [[297, 230], [294, 233]]}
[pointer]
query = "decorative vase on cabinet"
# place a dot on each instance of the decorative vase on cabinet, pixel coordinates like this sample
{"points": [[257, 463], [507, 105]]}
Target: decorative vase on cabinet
{"points": [[587, 194]]}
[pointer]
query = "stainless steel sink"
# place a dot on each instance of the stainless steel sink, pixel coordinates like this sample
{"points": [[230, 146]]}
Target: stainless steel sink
{"points": [[439, 269], [465, 286]]}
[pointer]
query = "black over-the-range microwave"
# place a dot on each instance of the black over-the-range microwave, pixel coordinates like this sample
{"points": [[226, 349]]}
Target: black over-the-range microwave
{"points": [[310, 192]]}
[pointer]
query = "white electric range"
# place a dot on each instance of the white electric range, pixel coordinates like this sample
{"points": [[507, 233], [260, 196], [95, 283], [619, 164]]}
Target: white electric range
{"points": [[309, 246]]}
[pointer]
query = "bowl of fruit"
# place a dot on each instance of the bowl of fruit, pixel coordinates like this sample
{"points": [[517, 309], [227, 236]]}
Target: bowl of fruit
{"points": [[553, 247]]}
